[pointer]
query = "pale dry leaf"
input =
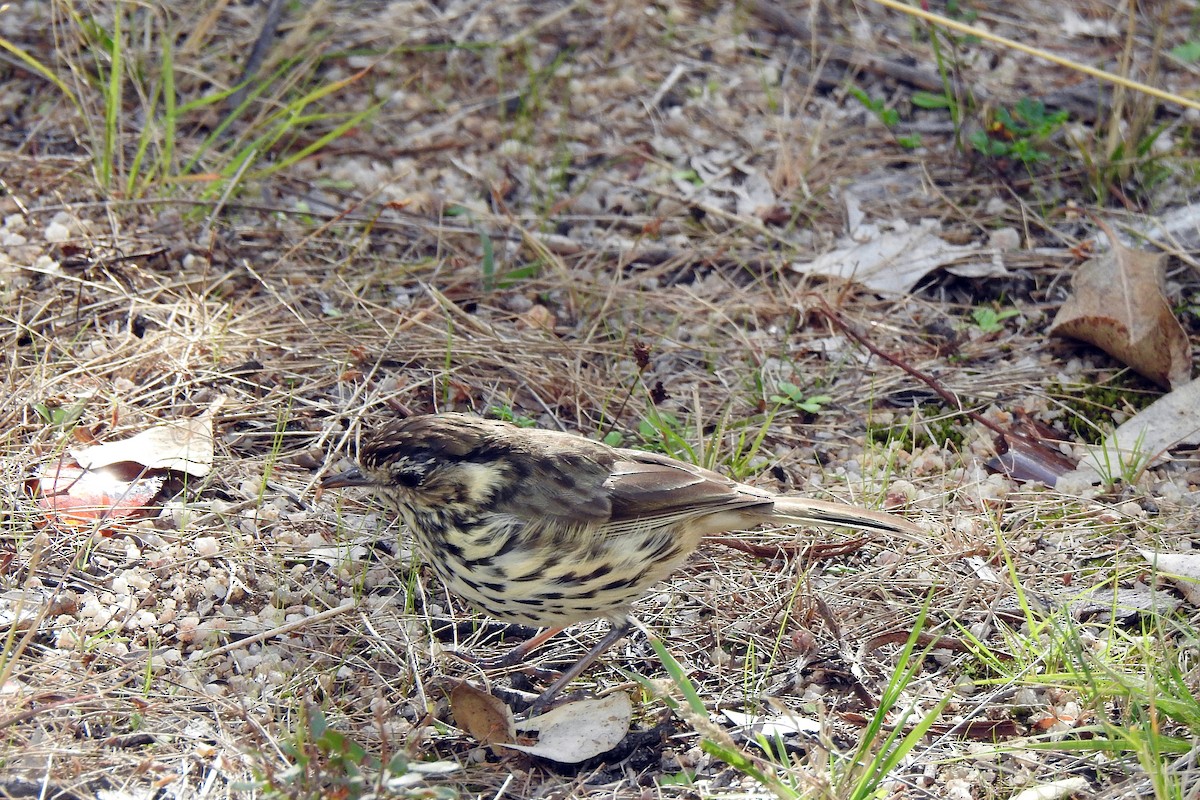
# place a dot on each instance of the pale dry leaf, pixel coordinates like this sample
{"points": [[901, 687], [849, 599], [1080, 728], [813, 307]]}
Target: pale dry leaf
{"points": [[485, 717], [580, 730], [184, 446], [1055, 790], [1077, 26], [433, 767], [1176, 229], [339, 554], [120, 794], [1171, 420], [418, 772], [1182, 568], [891, 263], [782, 725], [1118, 305], [1124, 603], [755, 197], [982, 569]]}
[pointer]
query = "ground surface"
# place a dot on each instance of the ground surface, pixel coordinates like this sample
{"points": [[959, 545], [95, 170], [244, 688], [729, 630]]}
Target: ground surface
{"points": [[591, 217]]}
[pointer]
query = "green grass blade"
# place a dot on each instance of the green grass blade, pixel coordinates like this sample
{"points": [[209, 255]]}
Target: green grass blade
{"points": [[677, 675], [41, 69], [112, 103]]}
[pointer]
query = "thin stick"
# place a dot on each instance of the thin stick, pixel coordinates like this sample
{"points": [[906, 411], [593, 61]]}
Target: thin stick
{"points": [[282, 629], [950, 397], [1100, 74]]}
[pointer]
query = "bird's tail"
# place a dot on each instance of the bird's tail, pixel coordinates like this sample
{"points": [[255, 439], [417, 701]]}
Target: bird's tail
{"points": [[803, 511]]}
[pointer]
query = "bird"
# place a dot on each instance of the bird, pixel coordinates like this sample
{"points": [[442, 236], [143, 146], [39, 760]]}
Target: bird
{"points": [[549, 528]]}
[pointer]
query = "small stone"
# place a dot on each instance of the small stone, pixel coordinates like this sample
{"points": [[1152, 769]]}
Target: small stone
{"points": [[57, 232]]}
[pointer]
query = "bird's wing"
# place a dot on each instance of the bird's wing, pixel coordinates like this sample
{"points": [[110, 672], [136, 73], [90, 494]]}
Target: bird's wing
{"points": [[646, 485], [617, 488], [566, 485], [617, 491]]}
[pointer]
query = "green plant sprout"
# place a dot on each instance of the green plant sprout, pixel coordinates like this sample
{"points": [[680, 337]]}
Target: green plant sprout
{"points": [[505, 412], [988, 319], [1018, 134], [59, 416], [888, 116], [792, 395]]}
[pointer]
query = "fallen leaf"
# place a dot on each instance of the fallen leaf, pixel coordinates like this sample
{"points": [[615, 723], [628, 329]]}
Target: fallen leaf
{"points": [[755, 197], [1177, 229], [773, 726], [486, 718], [1182, 568], [1171, 420], [21, 607], [1027, 459], [983, 730], [184, 446], [1075, 26], [1053, 790], [892, 262], [78, 496], [416, 771], [577, 731], [1124, 604], [1119, 306], [982, 569]]}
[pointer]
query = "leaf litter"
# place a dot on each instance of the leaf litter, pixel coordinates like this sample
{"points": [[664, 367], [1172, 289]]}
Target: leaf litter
{"points": [[348, 296], [105, 482], [1118, 305]]}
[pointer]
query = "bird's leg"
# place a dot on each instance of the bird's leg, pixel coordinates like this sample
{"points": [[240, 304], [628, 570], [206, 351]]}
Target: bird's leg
{"points": [[519, 653], [618, 631]]}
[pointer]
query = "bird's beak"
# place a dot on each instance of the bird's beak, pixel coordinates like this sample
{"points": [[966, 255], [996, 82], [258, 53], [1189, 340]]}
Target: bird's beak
{"points": [[351, 477]]}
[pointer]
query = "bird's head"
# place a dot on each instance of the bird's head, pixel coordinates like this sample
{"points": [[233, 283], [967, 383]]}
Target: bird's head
{"points": [[429, 462]]}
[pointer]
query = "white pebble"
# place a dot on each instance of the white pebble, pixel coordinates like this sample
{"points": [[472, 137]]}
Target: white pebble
{"points": [[1004, 239], [46, 264], [57, 232], [206, 546]]}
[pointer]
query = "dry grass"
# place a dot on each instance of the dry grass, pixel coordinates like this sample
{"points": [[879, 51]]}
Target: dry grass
{"points": [[355, 284]]}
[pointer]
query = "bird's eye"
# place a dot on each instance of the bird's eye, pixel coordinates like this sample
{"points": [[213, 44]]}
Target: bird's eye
{"points": [[408, 478]]}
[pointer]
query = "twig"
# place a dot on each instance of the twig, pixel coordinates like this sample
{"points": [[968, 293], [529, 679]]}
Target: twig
{"points": [[1099, 74], [950, 397], [258, 54], [1017, 450], [282, 629]]}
